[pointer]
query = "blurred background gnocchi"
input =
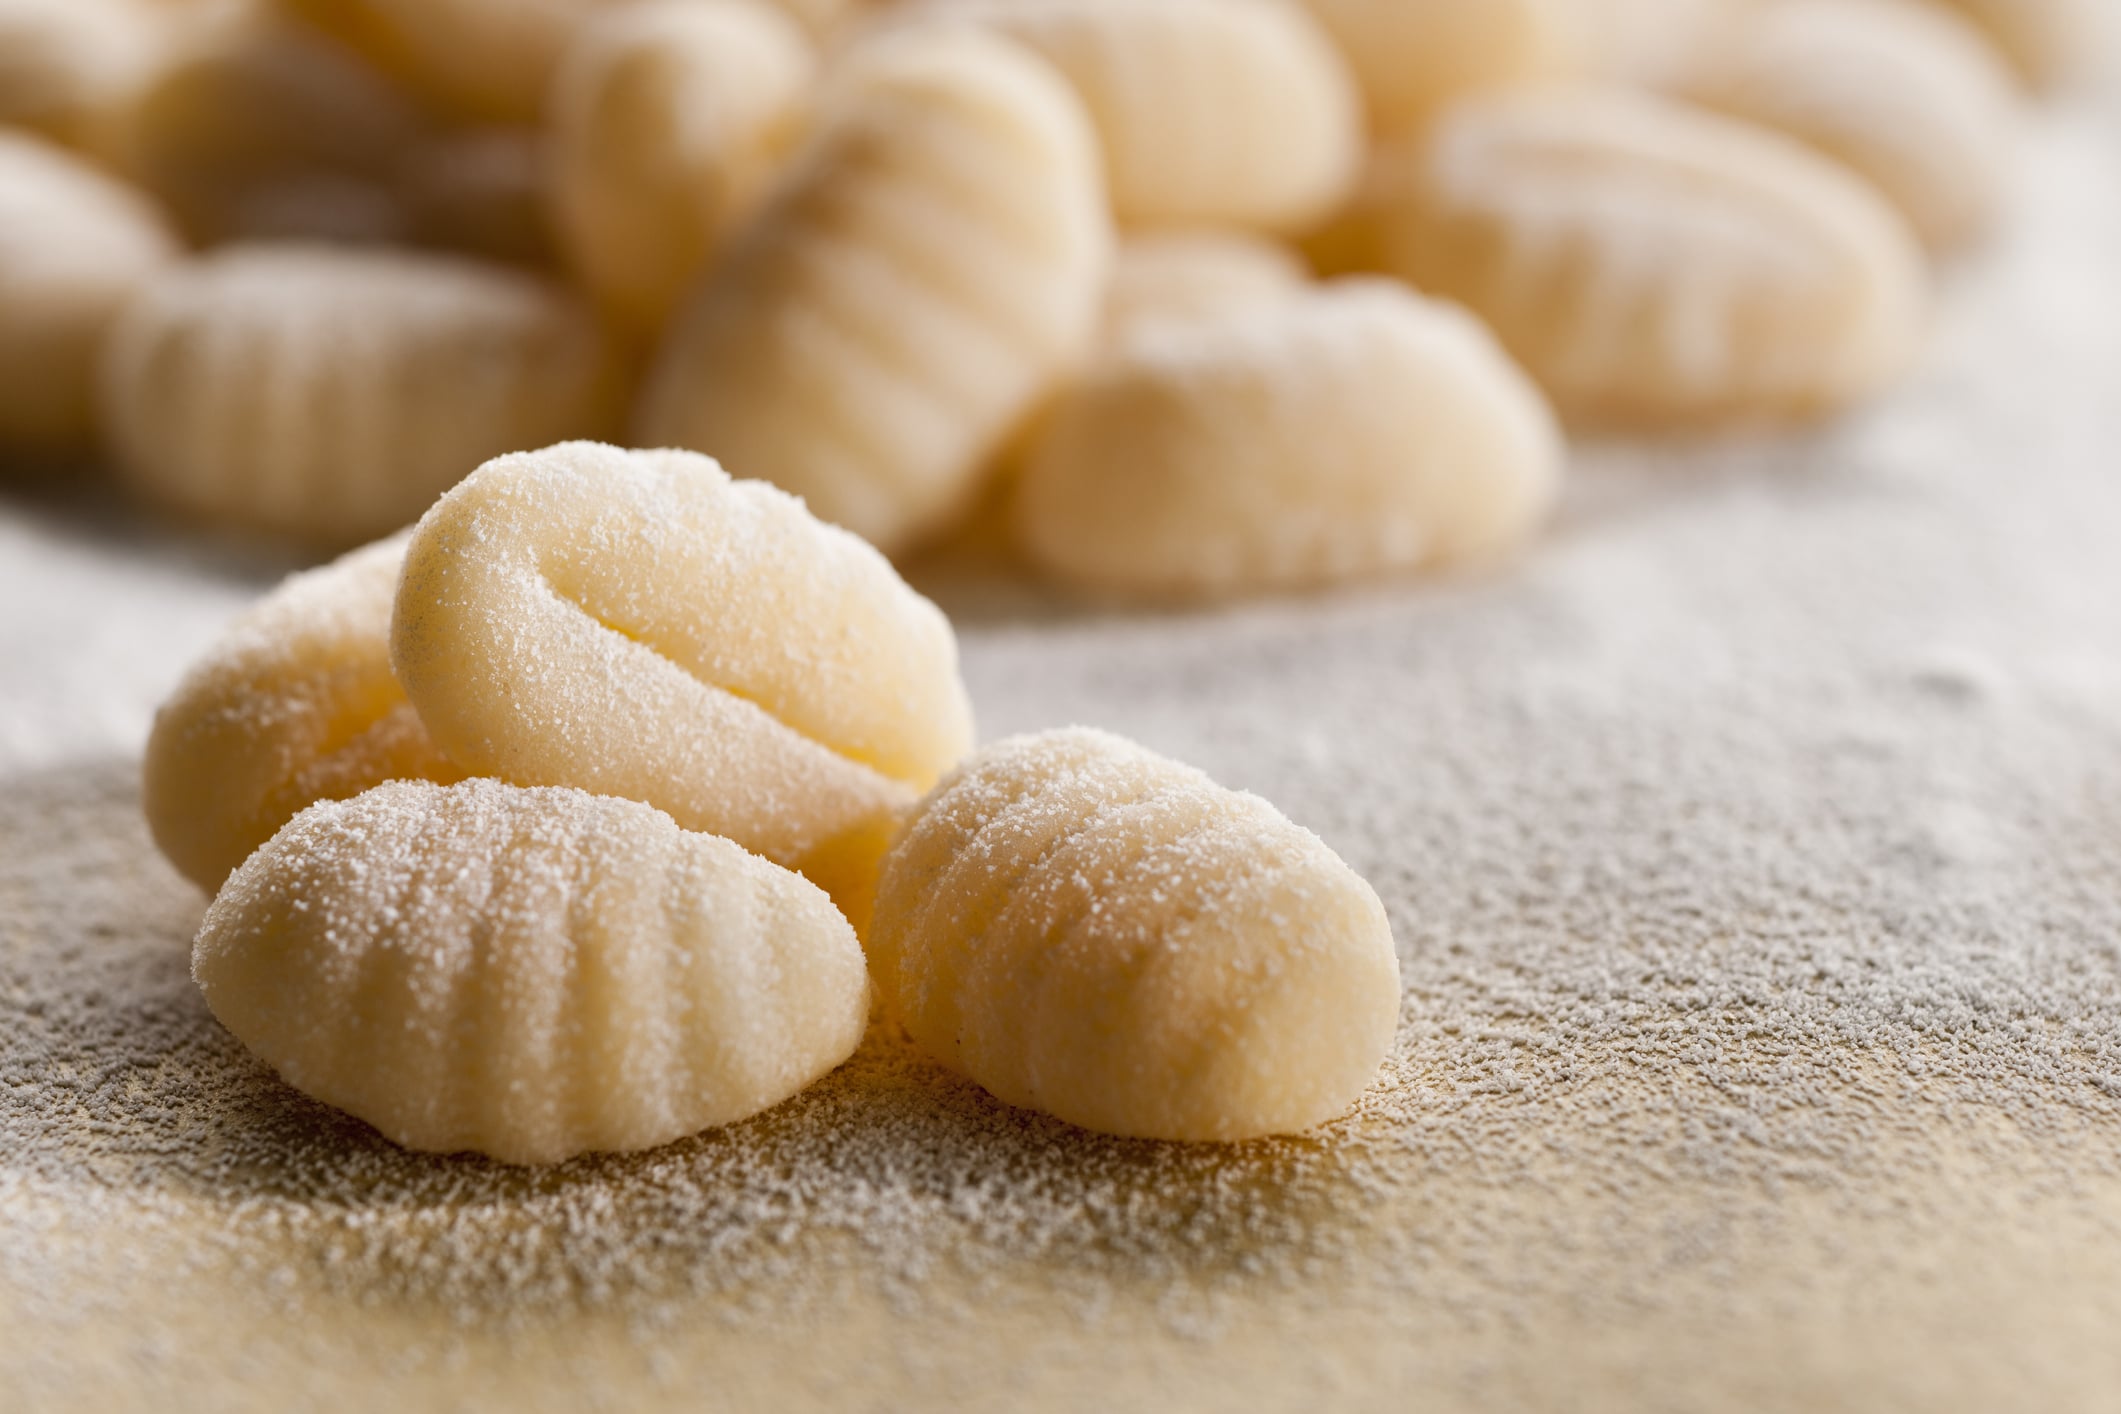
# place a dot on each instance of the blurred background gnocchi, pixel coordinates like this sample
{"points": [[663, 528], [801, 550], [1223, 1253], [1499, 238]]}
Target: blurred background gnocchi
{"points": [[985, 272]]}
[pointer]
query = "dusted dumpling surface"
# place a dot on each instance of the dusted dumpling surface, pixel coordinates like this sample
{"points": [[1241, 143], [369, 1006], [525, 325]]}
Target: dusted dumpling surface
{"points": [[295, 703], [638, 624], [1647, 260], [929, 269], [532, 974], [1089, 929], [1165, 277], [74, 246], [1353, 431], [332, 394]]}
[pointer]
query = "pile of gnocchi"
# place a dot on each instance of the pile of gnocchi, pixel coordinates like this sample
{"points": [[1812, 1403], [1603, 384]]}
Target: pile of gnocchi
{"points": [[616, 797], [1174, 298]]}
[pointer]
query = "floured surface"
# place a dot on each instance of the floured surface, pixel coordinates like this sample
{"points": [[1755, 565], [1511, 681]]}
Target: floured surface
{"points": [[1752, 852]]}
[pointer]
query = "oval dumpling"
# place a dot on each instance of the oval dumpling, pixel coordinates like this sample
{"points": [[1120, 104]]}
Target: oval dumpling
{"points": [[1210, 112], [1905, 94], [1089, 929], [667, 120], [530, 974], [640, 625], [1647, 260], [74, 248], [331, 394], [1167, 277], [926, 271], [293, 704], [1351, 432]]}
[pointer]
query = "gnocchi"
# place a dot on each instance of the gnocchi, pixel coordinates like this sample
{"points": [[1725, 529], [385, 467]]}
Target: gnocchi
{"points": [[640, 625], [1414, 57], [1351, 432], [1161, 278], [667, 120], [1210, 112], [333, 393], [1904, 93], [931, 266], [1648, 261], [479, 191], [67, 65], [1086, 928], [2047, 41], [531, 974], [295, 703], [74, 246]]}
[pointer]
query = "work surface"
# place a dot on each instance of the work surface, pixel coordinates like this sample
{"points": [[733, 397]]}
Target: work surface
{"points": [[1754, 853]]}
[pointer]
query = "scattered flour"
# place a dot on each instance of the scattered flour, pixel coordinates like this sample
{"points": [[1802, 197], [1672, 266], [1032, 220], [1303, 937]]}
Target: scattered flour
{"points": [[1751, 852]]}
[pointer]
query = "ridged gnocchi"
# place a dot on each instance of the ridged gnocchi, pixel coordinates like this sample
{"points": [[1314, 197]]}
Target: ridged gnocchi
{"points": [[293, 704], [1086, 928], [1647, 260], [479, 191], [667, 120], [1352, 432], [74, 246], [254, 128], [1412, 57], [640, 625], [332, 393], [66, 65], [1210, 112], [489, 60], [2047, 41], [931, 266], [1165, 277], [530, 974], [1907, 95]]}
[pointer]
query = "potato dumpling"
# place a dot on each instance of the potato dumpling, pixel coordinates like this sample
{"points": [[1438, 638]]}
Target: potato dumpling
{"points": [[479, 191], [255, 128], [930, 266], [331, 393], [488, 60], [1650, 261], [531, 974], [293, 704], [640, 625], [74, 247], [1411, 57], [1350, 432], [67, 65], [1089, 929], [1165, 277], [1905, 94], [667, 119], [1210, 112]]}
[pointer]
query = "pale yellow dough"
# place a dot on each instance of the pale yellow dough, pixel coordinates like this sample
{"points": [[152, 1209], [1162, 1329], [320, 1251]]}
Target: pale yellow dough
{"points": [[1210, 112], [531, 974], [1161, 278], [255, 128], [927, 271], [1412, 57], [667, 119], [640, 625], [332, 393], [1904, 93], [1650, 261], [74, 246], [295, 703], [1089, 929], [1355, 431]]}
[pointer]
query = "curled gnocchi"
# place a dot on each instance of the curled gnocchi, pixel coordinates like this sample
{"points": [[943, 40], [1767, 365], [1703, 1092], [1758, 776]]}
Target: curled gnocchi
{"points": [[640, 625], [1086, 928], [1649, 261], [930, 266], [293, 704], [74, 248], [1351, 432], [531, 974], [331, 393]]}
